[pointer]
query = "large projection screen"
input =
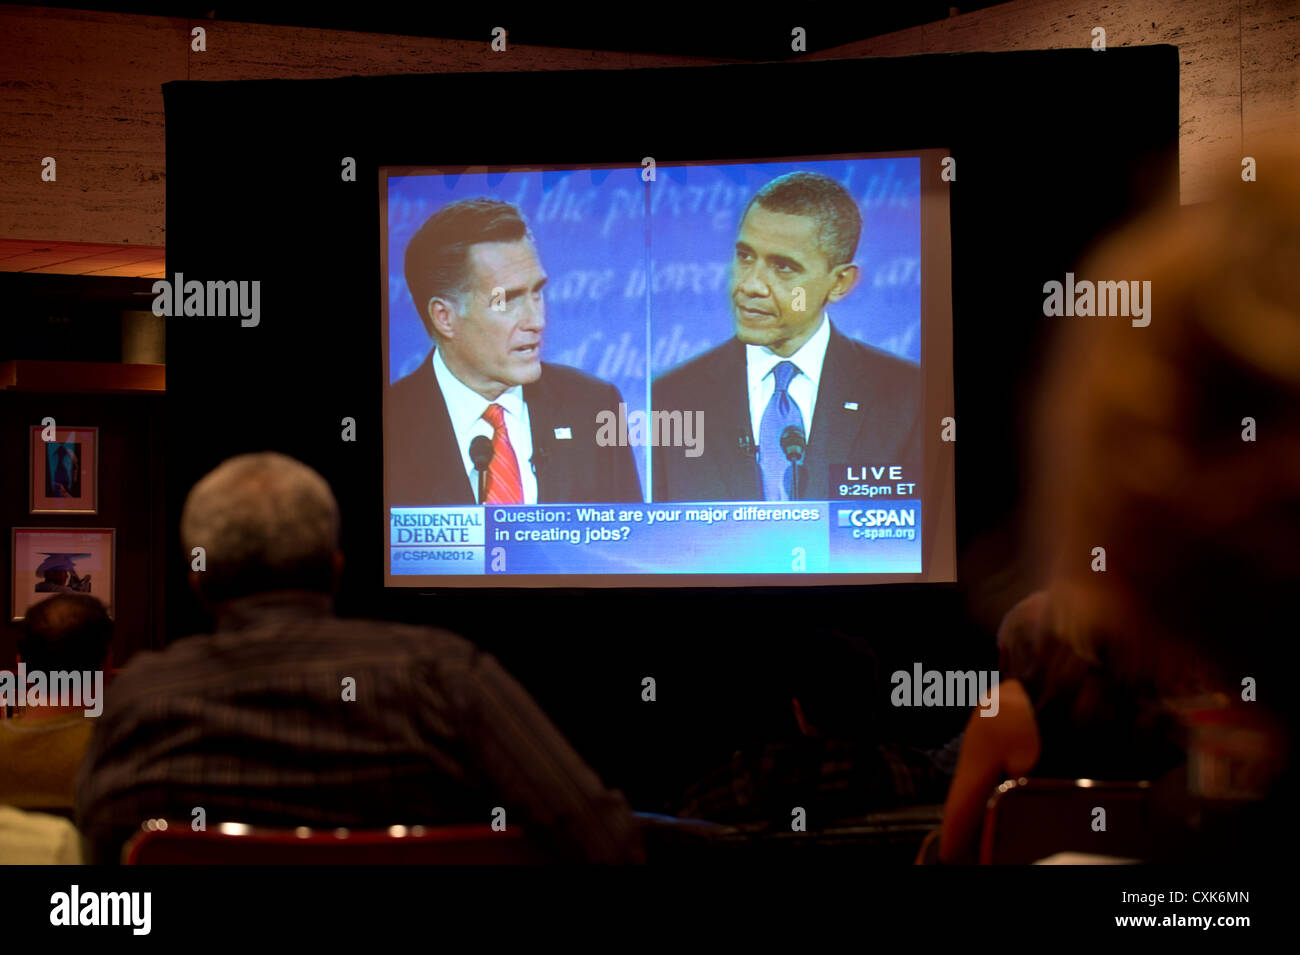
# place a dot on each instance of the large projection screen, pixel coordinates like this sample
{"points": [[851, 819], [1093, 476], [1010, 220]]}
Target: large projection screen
{"points": [[630, 324]]}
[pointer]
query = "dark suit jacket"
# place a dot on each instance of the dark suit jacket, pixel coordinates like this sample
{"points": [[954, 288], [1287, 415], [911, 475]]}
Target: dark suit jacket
{"points": [[424, 464], [885, 429]]}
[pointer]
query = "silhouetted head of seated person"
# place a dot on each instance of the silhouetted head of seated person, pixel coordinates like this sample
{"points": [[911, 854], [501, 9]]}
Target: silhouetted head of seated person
{"points": [[834, 687], [289, 716], [62, 649], [261, 523], [829, 758], [1167, 520]]}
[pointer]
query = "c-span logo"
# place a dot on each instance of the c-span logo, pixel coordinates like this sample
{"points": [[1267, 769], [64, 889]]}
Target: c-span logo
{"points": [[878, 523], [876, 517]]}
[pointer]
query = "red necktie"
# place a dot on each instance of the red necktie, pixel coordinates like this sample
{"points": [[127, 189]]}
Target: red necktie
{"points": [[504, 485]]}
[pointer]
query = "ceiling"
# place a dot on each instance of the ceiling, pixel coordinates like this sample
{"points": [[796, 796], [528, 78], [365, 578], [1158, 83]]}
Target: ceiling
{"points": [[756, 31], [752, 31], [81, 258]]}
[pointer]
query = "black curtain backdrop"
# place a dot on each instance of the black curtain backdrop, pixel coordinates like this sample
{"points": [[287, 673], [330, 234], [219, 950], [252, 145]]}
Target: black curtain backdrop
{"points": [[1053, 149]]}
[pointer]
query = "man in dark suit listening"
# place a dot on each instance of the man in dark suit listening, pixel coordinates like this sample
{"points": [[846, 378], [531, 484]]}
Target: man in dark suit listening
{"points": [[789, 367], [477, 282]]}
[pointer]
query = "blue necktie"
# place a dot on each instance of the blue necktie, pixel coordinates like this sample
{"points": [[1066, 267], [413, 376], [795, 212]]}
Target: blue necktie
{"points": [[780, 413]]}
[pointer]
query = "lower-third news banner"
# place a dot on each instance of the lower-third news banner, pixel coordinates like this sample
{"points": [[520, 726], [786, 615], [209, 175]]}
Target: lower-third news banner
{"points": [[707, 538]]}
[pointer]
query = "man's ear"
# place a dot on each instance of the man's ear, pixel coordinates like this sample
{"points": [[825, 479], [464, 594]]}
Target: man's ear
{"points": [[846, 279], [443, 317]]}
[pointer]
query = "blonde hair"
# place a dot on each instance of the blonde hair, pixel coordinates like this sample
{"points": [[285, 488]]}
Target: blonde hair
{"points": [[1142, 449]]}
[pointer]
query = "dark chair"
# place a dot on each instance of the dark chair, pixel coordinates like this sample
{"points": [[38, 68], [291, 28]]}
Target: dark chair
{"points": [[1031, 819], [160, 843]]}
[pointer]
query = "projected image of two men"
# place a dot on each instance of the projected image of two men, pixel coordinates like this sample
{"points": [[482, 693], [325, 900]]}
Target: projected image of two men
{"points": [[672, 341]]}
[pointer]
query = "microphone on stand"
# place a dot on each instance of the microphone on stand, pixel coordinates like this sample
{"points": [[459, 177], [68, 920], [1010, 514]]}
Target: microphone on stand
{"points": [[481, 452], [794, 443]]}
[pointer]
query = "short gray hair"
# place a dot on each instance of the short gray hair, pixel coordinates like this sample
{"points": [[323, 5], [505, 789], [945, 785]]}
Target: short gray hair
{"points": [[265, 522]]}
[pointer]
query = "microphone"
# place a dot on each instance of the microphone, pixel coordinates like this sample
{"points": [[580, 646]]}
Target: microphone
{"points": [[481, 452], [794, 443], [745, 444]]}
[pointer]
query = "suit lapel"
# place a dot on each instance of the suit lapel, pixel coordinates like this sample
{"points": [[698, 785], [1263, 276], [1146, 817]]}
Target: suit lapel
{"points": [[835, 428], [449, 482], [735, 470], [552, 476]]}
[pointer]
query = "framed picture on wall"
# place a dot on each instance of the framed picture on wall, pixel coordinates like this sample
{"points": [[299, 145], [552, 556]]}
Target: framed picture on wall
{"points": [[45, 561], [64, 470]]}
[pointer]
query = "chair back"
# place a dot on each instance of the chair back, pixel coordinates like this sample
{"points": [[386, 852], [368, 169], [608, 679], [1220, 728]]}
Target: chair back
{"points": [[159, 843], [1031, 819]]}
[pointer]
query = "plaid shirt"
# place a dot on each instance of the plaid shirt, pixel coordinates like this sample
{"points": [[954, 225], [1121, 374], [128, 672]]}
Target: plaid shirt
{"points": [[256, 724]]}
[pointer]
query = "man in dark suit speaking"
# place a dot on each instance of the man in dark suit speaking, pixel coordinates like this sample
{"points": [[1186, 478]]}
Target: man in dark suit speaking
{"points": [[475, 277], [788, 367]]}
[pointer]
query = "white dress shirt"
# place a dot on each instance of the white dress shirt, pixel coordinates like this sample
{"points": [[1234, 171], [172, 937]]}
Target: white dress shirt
{"points": [[760, 366], [466, 407]]}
